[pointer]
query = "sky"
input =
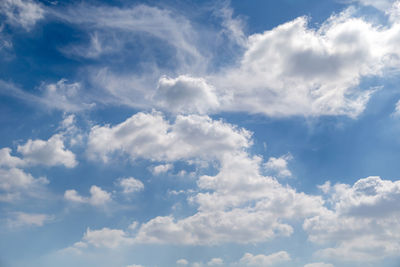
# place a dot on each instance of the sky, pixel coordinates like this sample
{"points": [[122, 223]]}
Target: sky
{"points": [[199, 133]]}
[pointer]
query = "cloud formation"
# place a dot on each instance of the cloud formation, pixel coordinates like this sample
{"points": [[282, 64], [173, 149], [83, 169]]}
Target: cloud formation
{"points": [[22, 219], [50, 153], [363, 224], [150, 136], [23, 13], [262, 260], [98, 196]]}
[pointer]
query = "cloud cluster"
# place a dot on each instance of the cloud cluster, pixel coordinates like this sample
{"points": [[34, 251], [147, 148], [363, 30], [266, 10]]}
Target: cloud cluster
{"points": [[363, 224], [290, 70], [15, 182], [150, 136], [237, 205], [240, 204], [97, 197], [106, 237], [50, 153], [279, 166], [186, 94], [383, 5], [130, 185], [264, 260]]}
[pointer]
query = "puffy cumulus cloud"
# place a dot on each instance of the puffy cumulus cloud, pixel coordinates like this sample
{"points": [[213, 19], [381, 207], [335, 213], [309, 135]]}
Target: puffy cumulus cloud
{"points": [[130, 185], [209, 228], [262, 260], [363, 223], [186, 94], [51, 152], [237, 205], [97, 197], [102, 238], [215, 262], [150, 136], [109, 238], [279, 165], [318, 264], [163, 168], [15, 178], [290, 70], [7, 160], [24, 13], [15, 183], [22, 219], [295, 70]]}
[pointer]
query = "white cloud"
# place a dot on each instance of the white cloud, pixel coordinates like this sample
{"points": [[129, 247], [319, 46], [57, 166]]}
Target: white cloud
{"points": [[130, 185], [262, 260], [316, 71], [15, 182], [5, 41], [21, 219], [24, 13], [64, 96], [51, 152], [163, 168], [68, 122], [182, 262], [134, 265], [112, 30], [133, 225], [237, 205], [215, 262], [150, 136], [98, 196], [279, 165], [72, 195], [102, 238], [186, 94], [165, 25], [109, 238], [397, 109], [7, 160], [362, 225], [318, 264], [232, 27], [15, 178], [383, 5]]}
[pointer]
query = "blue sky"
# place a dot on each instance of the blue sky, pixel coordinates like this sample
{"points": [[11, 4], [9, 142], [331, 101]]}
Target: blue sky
{"points": [[199, 133]]}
